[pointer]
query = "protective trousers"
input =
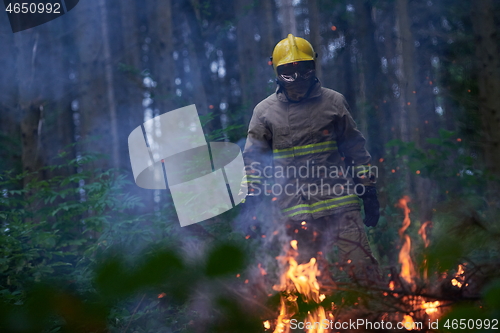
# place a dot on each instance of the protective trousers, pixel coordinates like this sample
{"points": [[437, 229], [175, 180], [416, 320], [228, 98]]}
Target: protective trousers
{"points": [[347, 232]]}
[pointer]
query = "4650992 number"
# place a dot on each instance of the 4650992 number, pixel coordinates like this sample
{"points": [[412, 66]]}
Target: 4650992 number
{"points": [[470, 324], [33, 8]]}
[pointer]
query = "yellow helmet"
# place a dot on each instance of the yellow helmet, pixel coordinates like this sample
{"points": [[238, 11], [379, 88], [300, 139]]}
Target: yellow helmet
{"points": [[292, 49]]}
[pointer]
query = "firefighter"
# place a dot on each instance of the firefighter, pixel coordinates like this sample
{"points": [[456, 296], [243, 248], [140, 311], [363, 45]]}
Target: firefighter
{"points": [[304, 150]]}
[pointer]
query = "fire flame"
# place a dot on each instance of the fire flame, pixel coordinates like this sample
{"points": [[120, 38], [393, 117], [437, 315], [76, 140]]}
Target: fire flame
{"points": [[408, 322], [299, 281], [457, 281], [403, 204], [391, 285], [423, 233], [430, 307], [408, 273], [407, 270]]}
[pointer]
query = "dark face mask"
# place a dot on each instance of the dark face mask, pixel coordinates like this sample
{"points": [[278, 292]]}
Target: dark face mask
{"points": [[297, 79], [298, 90]]}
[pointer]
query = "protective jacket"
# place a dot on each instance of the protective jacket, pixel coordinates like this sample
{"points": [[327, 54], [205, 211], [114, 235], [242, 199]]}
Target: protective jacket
{"points": [[309, 155]]}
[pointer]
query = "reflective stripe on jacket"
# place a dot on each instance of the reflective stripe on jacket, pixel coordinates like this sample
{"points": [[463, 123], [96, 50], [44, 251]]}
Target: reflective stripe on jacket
{"points": [[309, 155]]}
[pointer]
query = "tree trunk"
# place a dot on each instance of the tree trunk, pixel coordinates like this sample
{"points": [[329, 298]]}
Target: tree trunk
{"points": [[409, 121], [269, 38], [371, 73], [30, 102], [362, 104], [163, 62], [196, 56], [315, 35], [413, 126], [9, 118], [95, 79], [129, 96], [287, 13], [58, 129], [248, 58], [404, 70], [110, 87], [268, 32], [488, 66], [346, 71]]}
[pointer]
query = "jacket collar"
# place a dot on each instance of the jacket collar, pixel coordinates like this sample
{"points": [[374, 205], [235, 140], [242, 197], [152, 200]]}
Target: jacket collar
{"points": [[315, 92]]}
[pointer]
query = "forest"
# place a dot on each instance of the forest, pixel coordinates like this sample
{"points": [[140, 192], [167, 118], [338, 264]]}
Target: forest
{"points": [[83, 248]]}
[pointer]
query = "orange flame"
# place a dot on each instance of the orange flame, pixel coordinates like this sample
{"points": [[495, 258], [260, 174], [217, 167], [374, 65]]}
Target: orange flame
{"points": [[407, 269], [408, 323], [457, 281], [430, 307], [403, 204], [408, 273], [423, 233], [299, 281]]}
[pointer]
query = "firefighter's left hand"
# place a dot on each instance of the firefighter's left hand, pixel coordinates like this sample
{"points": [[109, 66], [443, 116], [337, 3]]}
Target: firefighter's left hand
{"points": [[371, 205]]}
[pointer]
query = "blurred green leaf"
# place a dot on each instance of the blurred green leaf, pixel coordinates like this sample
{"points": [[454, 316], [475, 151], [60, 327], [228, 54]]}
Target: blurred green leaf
{"points": [[443, 255], [491, 294], [113, 279], [224, 259], [158, 267], [461, 312]]}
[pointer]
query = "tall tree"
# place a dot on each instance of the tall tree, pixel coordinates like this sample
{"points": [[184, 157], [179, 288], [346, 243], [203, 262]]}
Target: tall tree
{"points": [[315, 31], [288, 19], [488, 66], [248, 57], [196, 55], [9, 112], [162, 50], [372, 86], [30, 100], [108, 63], [129, 80], [96, 102], [58, 90], [409, 119]]}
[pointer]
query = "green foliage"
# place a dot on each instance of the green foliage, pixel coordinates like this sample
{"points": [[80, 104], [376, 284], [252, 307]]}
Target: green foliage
{"points": [[77, 256], [116, 280], [235, 318], [221, 133], [463, 229], [47, 224], [445, 160], [225, 259]]}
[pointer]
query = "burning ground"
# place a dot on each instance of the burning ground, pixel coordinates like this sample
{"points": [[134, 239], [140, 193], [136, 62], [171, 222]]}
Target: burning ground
{"points": [[425, 291]]}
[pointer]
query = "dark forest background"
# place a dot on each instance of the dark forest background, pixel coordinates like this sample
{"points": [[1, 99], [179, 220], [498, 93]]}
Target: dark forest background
{"points": [[81, 244]]}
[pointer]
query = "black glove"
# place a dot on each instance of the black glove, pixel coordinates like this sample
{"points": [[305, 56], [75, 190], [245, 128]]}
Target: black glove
{"points": [[372, 206]]}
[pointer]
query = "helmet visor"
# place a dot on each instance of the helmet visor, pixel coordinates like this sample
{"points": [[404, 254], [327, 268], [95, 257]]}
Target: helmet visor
{"points": [[294, 71]]}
